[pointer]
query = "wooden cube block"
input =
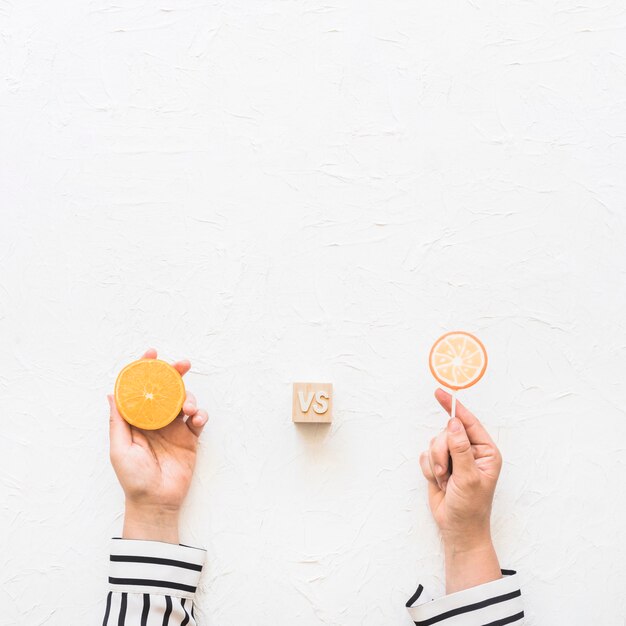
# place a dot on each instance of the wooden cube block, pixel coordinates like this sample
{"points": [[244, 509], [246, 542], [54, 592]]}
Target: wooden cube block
{"points": [[312, 402]]}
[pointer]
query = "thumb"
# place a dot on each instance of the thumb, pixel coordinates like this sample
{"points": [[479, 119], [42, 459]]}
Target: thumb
{"points": [[460, 448], [120, 435]]}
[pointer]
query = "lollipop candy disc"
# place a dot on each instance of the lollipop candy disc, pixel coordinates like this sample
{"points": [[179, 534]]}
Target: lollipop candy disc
{"points": [[458, 360]]}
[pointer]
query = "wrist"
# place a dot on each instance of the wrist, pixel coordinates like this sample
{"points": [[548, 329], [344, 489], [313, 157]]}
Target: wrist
{"points": [[469, 541], [470, 563], [150, 522]]}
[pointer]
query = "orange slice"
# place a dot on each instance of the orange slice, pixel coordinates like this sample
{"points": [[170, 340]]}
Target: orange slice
{"points": [[149, 393], [458, 360]]}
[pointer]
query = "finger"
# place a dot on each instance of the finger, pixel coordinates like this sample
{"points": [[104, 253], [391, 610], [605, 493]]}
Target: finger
{"points": [[120, 436], [150, 353], [182, 367], [433, 488], [197, 422], [439, 455], [190, 408], [476, 432], [427, 469], [460, 448], [191, 399]]}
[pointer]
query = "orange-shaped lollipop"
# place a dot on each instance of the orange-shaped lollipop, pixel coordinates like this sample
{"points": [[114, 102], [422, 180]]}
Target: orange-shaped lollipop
{"points": [[149, 393], [458, 360]]}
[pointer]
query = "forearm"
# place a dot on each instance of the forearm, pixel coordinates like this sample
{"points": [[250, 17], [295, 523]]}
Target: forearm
{"points": [[154, 523], [477, 591], [153, 581], [151, 576], [470, 565]]}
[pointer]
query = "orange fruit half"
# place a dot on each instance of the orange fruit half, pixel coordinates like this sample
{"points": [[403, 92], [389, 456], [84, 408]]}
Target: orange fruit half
{"points": [[149, 393], [458, 360]]}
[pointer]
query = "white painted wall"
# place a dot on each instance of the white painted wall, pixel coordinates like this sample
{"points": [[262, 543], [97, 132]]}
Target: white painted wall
{"points": [[314, 190]]}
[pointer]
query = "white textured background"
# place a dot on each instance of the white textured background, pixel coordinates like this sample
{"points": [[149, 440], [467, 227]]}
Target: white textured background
{"points": [[308, 190]]}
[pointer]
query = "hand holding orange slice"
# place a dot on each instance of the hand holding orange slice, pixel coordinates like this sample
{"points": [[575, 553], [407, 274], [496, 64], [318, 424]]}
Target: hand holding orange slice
{"points": [[458, 360], [149, 393]]}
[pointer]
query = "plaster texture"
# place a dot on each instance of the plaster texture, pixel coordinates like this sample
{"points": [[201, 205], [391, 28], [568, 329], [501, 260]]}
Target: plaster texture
{"points": [[314, 190]]}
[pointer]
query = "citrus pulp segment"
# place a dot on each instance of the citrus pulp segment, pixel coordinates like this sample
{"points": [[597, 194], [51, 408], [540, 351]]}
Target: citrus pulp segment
{"points": [[149, 393]]}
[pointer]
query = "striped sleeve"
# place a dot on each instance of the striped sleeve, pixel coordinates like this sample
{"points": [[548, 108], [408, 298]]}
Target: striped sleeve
{"points": [[152, 583], [493, 604]]}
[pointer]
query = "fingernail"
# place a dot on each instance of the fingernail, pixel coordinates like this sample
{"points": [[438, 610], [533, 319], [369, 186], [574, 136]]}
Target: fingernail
{"points": [[438, 469], [454, 425]]}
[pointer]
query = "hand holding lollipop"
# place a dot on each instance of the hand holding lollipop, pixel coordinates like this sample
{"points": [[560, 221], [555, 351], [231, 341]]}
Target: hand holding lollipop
{"points": [[457, 360], [460, 501]]}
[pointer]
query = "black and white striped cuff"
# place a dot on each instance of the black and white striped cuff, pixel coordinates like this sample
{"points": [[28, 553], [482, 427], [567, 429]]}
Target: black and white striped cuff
{"points": [[495, 604], [155, 567]]}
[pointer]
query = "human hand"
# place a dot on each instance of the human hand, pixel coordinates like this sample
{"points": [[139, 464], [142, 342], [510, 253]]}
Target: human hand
{"points": [[461, 501], [155, 467]]}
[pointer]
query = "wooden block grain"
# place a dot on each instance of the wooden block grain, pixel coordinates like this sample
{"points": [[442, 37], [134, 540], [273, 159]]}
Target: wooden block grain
{"points": [[312, 403]]}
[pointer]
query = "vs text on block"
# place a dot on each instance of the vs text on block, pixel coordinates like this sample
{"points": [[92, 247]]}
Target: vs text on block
{"points": [[312, 402]]}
